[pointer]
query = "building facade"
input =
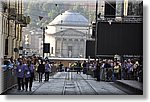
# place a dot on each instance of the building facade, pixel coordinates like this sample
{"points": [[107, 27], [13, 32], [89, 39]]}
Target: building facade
{"points": [[12, 22], [32, 42], [67, 35]]}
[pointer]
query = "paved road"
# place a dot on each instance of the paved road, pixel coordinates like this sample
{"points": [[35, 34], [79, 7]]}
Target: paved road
{"points": [[64, 83]]}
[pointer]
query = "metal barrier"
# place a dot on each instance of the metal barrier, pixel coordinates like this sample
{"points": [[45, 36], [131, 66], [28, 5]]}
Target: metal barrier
{"points": [[53, 71], [106, 74], [9, 79]]}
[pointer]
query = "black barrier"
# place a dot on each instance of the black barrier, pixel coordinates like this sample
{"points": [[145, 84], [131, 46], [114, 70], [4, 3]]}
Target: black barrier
{"points": [[119, 38], [90, 48]]}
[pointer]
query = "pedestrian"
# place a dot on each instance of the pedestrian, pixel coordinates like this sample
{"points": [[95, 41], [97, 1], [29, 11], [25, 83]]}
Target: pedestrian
{"points": [[107, 66], [31, 68], [124, 69], [98, 65], [84, 67], [29, 75], [20, 75], [135, 70], [94, 65], [47, 70], [60, 66], [109, 75], [130, 69], [116, 71], [36, 64], [79, 67], [41, 70]]}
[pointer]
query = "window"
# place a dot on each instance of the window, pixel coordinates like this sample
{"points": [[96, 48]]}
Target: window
{"points": [[70, 40], [76, 40], [64, 39]]}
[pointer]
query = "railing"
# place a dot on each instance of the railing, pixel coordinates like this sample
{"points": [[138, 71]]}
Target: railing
{"points": [[9, 79], [107, 74], [127, 19]]}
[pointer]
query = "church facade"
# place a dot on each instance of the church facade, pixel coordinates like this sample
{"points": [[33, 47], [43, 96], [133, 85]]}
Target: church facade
{"points": [[67, 35]]}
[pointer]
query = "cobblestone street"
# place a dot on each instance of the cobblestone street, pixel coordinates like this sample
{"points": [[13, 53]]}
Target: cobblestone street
{"points": [[70, 83]]}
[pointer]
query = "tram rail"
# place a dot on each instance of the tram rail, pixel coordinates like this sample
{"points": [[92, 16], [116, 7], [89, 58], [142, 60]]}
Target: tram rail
{"points": [[74, 85], [95, 92]]}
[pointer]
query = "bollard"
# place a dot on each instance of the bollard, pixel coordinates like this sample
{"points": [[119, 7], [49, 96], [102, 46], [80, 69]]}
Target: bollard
{"points": [[113, 78], [68, 75]]}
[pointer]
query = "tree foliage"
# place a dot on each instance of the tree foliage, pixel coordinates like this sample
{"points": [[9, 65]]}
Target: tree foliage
{"points": [[50, 10]]}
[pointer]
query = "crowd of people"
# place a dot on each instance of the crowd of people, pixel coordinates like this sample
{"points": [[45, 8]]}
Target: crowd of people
{"points": [[129, 69], [110, 69], [28, 69]]}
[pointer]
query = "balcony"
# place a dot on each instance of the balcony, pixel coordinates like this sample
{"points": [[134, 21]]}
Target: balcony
{"points": [[4, 6], [19, 19], [12, 13], [23, 20]]}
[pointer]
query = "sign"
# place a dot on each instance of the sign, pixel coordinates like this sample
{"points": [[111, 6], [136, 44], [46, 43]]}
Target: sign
{"points": [[90, 48], [46, 48]]}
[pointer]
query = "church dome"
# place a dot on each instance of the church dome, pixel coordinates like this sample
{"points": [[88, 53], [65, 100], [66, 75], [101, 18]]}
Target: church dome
{"points": [[70, 18]]}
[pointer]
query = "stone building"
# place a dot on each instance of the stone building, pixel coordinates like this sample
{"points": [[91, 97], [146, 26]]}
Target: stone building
{"points": [[12, 22], [32, 42], [67, 35]]}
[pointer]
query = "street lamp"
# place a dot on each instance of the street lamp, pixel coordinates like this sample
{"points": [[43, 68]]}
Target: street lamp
{"points": [[43, 28], [96, 27]]}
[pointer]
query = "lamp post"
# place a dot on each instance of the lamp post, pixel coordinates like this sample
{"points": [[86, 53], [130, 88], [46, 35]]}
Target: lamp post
{"points": [[96, 27], [43, 28]]}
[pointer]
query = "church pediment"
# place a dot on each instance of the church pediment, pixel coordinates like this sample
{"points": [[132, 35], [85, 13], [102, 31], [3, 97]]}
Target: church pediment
{"points": [[69, 32]]}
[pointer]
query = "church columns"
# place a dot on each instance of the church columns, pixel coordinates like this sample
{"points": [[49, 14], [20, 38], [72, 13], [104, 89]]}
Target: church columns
{"points": [[70, 43]]}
